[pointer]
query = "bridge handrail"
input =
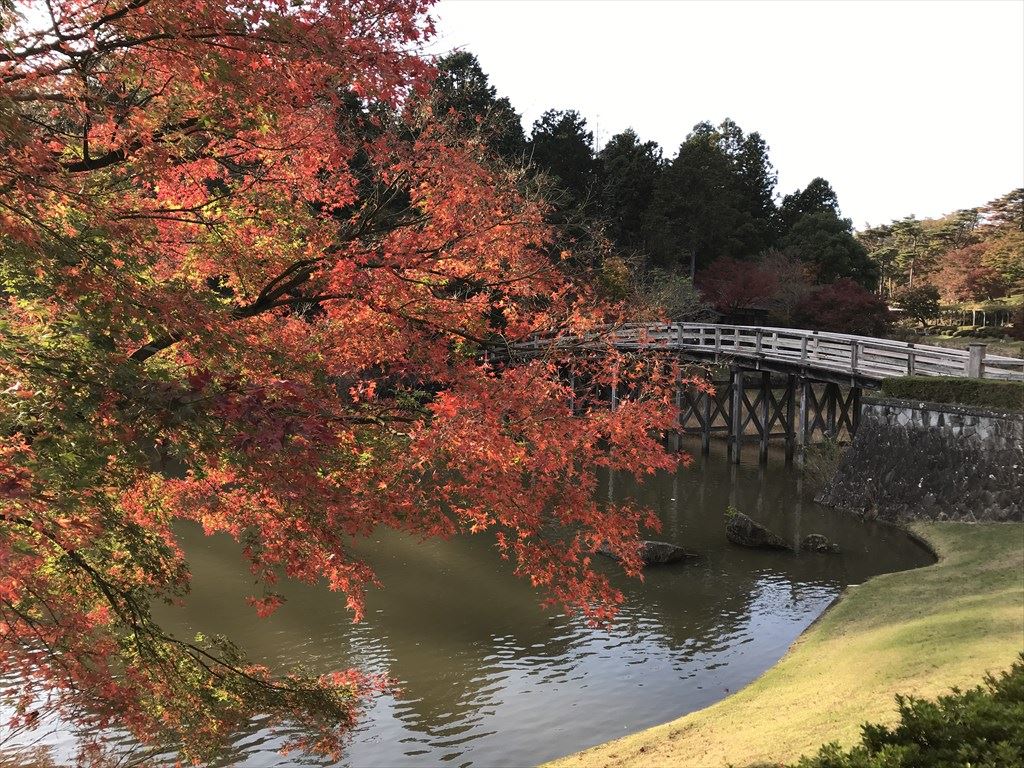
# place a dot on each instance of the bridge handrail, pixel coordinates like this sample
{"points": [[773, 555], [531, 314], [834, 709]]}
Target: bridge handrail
{"points": [[879, 342], [862, 356]]}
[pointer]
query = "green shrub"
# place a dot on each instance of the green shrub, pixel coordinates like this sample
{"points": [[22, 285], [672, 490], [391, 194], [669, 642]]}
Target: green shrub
{"points": [[1006, 395], [979, 728]]}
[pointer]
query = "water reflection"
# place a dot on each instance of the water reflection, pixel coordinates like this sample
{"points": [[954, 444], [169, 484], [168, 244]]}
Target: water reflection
{"points": [[488, 678]]}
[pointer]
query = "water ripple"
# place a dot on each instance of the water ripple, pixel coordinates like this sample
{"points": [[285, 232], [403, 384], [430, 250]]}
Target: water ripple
{"points": [[487, 678]]}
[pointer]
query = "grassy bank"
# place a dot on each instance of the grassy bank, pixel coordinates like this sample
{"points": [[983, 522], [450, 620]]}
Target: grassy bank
{"points": [[917, 632], [997, 345]]}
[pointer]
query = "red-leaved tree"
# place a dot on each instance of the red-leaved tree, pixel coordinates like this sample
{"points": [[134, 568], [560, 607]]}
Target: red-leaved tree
{"points": [[844, 307], [963, 276], [248, 281], [732, 285]]}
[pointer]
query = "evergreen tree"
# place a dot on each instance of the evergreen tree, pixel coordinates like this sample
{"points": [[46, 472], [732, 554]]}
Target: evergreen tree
{"points": [[463, 87], [1007, 211], [915, 253], [826, 242], [816, 197], [958, 230], [628, 171], [714, 200], [757, 179], [815, 233], [561, 145]]}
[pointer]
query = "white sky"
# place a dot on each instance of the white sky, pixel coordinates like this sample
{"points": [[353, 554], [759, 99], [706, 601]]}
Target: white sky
{"points": [[905, 107]]}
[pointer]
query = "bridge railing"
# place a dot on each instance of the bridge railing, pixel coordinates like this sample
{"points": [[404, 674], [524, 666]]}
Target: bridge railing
{"points": [[861, 356]]}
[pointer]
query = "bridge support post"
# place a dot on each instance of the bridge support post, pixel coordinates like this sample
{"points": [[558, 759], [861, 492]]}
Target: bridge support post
{"points": [[732, 485], [798, 509], [790, 417], [675, 441], [705, 435], [737, 414], [855, 416], [832, 399], [801, 434], [766, 397]]}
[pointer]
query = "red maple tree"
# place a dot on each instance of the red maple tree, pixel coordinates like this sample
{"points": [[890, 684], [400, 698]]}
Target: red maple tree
{"points": [[964, 276], [844, 307], [248, 281], [732, 285]]}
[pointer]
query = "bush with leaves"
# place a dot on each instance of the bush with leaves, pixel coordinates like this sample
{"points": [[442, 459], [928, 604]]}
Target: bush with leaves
{"points": [[794, 281], [919, 302], [1016, 330], [843, 307], [732, 285], [661, 293], [982, 393], [981, 728]]}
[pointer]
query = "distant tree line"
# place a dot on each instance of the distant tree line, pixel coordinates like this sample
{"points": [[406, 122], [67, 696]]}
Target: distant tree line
{"points": [[651, 227], [971, 255]]}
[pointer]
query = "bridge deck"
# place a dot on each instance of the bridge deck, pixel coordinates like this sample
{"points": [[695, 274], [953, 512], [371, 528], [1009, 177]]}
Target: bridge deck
{"points": [[828, 356]]}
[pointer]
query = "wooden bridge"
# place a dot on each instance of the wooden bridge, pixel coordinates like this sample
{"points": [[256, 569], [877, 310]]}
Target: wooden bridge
{"points": [[783, 383]]}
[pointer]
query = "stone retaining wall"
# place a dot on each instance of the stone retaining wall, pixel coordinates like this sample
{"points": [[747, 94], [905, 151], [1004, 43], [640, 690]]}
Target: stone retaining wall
{"points": [[925, 461]]}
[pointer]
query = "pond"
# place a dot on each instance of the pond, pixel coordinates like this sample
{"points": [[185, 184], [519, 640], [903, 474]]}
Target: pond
{"points": [[485, 677]]}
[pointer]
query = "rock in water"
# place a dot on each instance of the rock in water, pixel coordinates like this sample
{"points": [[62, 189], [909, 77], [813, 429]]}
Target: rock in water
{"points": [[662, 553], [746, 532], [655, 552], [815, 542]]}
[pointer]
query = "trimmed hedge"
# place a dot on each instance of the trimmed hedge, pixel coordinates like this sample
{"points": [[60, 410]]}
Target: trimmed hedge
{"points": [[984, 393]]}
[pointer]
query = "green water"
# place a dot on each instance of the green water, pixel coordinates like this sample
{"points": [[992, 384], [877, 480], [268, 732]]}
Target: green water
{"points": [[487, 678]]}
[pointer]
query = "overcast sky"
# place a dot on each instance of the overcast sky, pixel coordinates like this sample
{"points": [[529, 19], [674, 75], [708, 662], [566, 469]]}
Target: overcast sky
{"points": [[905, 107]]}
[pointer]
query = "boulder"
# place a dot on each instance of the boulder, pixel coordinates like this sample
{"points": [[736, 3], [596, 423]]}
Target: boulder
{"points": [[662, 553], [742, 530], [655, 552], [815, 542]]}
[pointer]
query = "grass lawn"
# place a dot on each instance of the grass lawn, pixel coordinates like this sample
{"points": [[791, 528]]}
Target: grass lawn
{"points": [[917, 632], [996, 346]]}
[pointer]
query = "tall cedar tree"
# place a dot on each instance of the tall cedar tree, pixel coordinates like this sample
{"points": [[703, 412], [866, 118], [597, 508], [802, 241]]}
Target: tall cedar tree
{"points": [[628, 171], [462, 86], [222, 252], [715, 199], [816, 197], [561, 145]]}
